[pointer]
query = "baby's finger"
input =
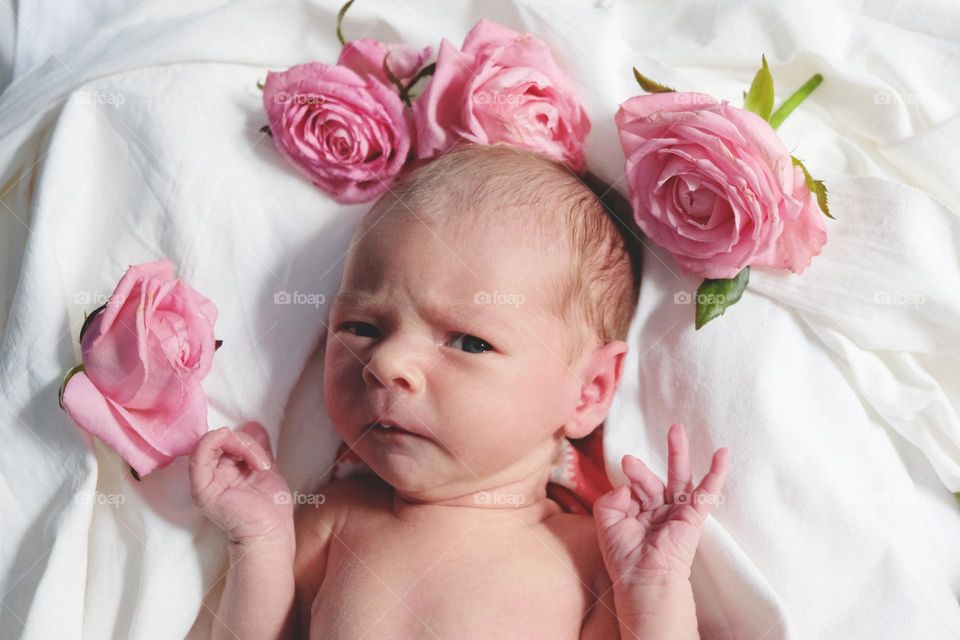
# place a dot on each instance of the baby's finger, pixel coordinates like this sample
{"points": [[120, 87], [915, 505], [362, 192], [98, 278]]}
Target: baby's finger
{"points": [[203, 460], [678, 462], [645, 484], [708, 491], [207, 451], [245, 445], [258, 433], [612, 507]]}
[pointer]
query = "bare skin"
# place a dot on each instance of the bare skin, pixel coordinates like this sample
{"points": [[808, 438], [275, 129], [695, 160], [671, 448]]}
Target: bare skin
{"points": [[523, 573], [454, 536]]}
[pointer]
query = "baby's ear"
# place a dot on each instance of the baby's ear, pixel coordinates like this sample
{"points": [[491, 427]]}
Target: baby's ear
{"points": [[599, 374]]}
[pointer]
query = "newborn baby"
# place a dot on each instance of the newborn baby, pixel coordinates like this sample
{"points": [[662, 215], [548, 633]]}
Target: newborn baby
{"points": [[480, 320]]}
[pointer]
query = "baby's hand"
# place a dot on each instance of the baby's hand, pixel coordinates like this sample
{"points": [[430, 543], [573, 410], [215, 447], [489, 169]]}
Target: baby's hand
{"points": [[235, 483], [651, 532]]}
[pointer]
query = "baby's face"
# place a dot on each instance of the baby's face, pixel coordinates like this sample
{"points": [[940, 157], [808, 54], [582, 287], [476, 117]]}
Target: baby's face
{"points": [[454, 341]]}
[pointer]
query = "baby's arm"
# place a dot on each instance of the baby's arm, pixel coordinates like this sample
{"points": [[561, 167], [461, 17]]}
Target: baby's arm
{"points": [[648, 536], [236, 484]]}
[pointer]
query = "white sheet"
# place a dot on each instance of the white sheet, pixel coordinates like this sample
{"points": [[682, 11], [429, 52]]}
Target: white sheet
{"points": [[841, 414]]}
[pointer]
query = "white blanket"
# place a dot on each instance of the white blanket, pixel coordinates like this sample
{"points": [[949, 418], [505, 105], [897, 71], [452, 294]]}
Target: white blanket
{"points": [[837, 391]]}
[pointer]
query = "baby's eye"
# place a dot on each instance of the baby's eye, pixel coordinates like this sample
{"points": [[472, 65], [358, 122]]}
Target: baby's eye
{"points": [[473, 344], [358, 327]]}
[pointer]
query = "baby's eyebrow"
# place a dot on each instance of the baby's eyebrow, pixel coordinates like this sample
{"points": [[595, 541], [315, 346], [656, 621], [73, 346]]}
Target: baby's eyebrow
{"points": [[459, 311]]}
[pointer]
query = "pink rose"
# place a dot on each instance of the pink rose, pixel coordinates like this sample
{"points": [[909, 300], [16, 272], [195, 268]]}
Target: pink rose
{"points": [[501, 87], [366, 58], [714, 186], [144, 356], [348, 133]]}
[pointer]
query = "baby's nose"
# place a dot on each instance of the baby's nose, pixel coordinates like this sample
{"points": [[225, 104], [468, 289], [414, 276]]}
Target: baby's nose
{"points": [[395, 363]]}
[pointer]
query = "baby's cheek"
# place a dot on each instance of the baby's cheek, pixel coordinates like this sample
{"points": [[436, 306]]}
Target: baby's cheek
{"points": [[340, 384]]}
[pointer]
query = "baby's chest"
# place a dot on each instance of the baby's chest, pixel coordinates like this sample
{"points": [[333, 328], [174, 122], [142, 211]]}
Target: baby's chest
{"points": [[406, 586]]}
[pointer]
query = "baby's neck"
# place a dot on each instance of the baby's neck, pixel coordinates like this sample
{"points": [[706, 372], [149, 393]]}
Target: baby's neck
{"points": [[516, 504]]}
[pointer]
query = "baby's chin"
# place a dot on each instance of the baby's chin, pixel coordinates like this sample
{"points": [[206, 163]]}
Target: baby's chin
{"points": [[420, 476], [404, 469]]}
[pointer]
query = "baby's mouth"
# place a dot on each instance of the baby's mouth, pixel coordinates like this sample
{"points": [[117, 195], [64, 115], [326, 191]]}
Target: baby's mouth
{"points": [[389, 428]]}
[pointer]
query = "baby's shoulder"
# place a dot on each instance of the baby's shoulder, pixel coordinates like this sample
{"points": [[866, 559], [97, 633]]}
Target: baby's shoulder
{"points": [[578, 533], [576, 529], [329, 505], [320, 518]]}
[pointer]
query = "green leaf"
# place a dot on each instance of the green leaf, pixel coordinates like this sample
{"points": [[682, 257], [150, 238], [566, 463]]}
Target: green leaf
{"points": [[957, 496], [649, 85], [716, 295], [819, 189], [87, 319], [259, 85], [760, 97], [794, 101], [63, 385], [343, 12]]}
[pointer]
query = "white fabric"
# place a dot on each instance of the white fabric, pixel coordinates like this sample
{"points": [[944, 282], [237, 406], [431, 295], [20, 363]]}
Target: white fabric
{"points": [[840, 413], [48, 28]]}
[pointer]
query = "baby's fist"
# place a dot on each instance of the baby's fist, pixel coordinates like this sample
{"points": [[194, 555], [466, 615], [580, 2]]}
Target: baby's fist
{"points": [[235, 483]]}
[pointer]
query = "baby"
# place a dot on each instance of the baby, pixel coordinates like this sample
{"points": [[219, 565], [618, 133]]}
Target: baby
{"points": [[480, 320]]}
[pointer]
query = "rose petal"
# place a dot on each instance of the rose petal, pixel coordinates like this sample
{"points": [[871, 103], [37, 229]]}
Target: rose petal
{"points": [[91, 412], [172, 433]]}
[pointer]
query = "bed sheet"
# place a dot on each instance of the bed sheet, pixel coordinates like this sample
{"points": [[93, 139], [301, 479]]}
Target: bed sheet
{"points": [[836, 390]]}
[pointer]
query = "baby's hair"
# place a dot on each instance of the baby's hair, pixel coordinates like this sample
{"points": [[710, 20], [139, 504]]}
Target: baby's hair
{"points": [[520, 187]]}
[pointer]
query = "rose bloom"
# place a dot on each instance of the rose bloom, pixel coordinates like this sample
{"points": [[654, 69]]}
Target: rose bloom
{"points": [[144, 357], [714, 186], [347, 131], [366, 57], [501, 87]]}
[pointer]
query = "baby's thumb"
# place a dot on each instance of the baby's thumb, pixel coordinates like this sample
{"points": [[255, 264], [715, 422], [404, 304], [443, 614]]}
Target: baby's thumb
{"points": [[256, 431], [611, 507]]}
